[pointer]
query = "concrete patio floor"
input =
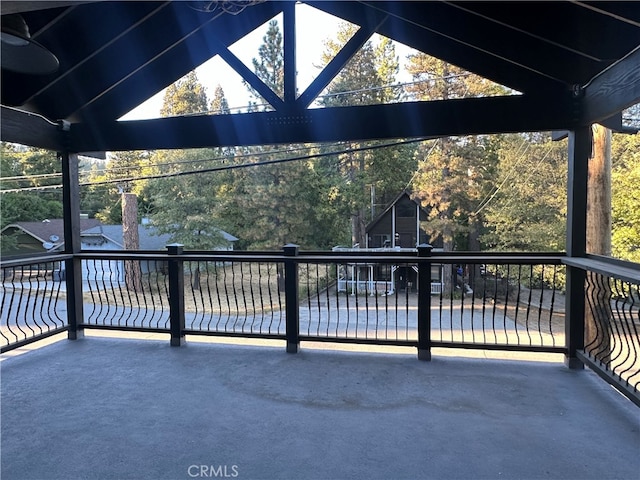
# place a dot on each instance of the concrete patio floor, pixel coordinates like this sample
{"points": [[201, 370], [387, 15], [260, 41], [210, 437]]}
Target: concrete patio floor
{"points": [[114, 408]]}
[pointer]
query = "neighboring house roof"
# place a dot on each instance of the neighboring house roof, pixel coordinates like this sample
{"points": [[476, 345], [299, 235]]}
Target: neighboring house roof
{"points": [[376, 220], [149, 238], [48, 230]]}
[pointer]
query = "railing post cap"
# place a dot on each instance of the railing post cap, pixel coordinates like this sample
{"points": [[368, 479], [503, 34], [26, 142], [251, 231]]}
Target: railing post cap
{"points": [[424, 249], [291, 249], [175, 248]]}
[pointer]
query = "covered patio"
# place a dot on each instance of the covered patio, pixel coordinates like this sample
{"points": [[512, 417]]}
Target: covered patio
{"points": [[115, 400]]}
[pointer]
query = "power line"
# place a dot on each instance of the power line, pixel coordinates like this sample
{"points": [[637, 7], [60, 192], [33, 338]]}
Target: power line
{"points": [[492, 195], [227, 167], [256, 164], [29, 177], [221, 158]]}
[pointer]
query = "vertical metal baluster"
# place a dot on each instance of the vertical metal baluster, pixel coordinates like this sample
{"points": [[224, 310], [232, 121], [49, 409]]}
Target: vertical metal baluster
{"points": [[338, 298], [506, 304], [304, 269], [219, 276], [484, 306], [254, 313], [528, 309], [262, 308], [3, 308], [552, 306]]}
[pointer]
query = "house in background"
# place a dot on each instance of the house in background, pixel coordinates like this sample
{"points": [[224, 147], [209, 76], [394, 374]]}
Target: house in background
{"points": [[24, 239], [397, 228], [110, 238], [399, 225]]}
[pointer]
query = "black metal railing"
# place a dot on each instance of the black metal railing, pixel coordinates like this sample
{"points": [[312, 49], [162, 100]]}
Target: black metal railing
{"points": [[33, 301], [514, 302], [125, 292], [612, 321], [511, 302], [420, 298]]}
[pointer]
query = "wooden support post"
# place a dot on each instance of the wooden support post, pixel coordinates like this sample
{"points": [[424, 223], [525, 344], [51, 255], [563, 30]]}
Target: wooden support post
{"points": [[579, 153], [424, 302], [72, 243], [292, 302]]}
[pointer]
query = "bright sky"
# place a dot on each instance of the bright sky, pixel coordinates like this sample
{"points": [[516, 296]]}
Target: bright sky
{"points": [[315, 26]]}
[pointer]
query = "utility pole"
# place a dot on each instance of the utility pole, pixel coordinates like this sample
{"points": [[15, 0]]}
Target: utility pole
{"points": [[598, 314], [131, 240]]}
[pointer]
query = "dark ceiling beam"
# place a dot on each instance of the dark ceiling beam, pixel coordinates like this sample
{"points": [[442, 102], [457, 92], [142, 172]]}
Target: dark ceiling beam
{"points": [[289, 36], [498, 39], [414, 35], [75, 41], [175, 63], [251, 78], [29, 129], [400, 120], [613, 90], [627, 12], [20, 6], [563, 24], [162, 31]]}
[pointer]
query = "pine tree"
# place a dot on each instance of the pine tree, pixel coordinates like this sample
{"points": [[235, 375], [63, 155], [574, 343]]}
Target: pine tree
{"points": [[219, 103], [454, 173], [526, 209], [359, 176], [269, 206], [625, 197], [269, 66], [185, 97]]}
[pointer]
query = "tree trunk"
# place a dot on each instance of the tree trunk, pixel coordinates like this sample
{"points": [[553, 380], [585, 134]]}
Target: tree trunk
{"points": [[131, 240], [598, 314], [358, 226]]}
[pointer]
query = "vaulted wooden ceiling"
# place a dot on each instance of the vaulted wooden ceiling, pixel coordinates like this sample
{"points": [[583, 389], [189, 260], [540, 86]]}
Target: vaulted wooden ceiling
{"points": [[574, 62]]}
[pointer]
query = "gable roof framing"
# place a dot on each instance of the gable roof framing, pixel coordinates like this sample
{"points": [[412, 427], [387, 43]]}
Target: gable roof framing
{"points": [[574, 63]]}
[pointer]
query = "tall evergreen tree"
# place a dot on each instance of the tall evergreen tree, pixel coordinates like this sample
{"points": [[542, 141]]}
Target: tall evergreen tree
{"points": [[187, 207], [219, 103], [271, 205], [454, 174], [185, 97], [362, 176], [526, 208]]}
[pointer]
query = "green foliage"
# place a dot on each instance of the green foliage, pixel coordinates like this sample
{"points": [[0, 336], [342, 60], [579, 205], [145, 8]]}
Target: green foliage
{"points": [[455, 174], [104, 201], [453, 178], [435, 79], [186, 207], [219, 103], [271, 205], [186, 96], [29, 205], [526, 210], [269, 66], [625, 197]]}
